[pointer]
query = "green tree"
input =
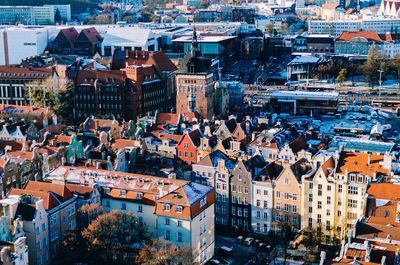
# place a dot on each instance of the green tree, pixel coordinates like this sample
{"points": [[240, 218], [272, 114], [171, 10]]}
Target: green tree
{"points": [[54, 93], [375, 61], [111, 238], [161, 252], [394, 67], [72, 249], [342, 75], [270, 29], [57, 16]]}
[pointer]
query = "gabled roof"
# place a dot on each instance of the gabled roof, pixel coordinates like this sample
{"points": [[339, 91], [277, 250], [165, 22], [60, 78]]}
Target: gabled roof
{"points": [[71, 34], [168, 118], [330, 6], [298, 144], [92, 35], [270, 172], [369, 35], [49, 199], [330, 163], [211, 160]]}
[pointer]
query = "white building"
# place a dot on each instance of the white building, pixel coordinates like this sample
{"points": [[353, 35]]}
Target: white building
{"points": [[262, 198], [177, 210], [336, 27], [128, 38], [17, 43]]}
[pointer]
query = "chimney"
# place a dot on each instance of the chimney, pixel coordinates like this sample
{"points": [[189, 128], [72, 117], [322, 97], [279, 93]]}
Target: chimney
{"points": [[369, 159]]}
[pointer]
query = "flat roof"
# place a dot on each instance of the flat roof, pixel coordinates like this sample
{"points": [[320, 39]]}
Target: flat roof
{"points": [[204, 38], [305, 95]]}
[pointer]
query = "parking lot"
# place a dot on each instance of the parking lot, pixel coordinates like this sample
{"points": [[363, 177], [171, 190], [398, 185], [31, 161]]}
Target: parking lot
{"points": [[242, 254]]}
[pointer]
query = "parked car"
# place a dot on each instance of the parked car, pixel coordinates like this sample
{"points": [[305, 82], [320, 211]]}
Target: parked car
{"points": [[226, 252], [248, 241]]}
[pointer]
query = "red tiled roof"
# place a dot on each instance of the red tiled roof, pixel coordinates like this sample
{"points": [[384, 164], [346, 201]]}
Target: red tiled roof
{"points": [[358, 163], [349, 35], [49, 200], [61, 191], [330, 6], [25, 73], [387, 191], [71, 34], [167, 118], [122, 143], [92, 35], [330, 163], [104, 76]]}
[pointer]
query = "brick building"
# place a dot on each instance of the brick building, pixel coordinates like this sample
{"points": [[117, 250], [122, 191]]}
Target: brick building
{"points": [[195, 84]]}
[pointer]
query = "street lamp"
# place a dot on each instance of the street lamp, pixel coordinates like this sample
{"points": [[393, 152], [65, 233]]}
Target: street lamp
{"points": [[380, 82]]}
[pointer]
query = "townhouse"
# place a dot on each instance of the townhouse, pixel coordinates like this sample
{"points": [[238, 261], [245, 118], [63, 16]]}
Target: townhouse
{"points": [[177, 210], [29, 217], [59, 204], [263, 197], [215, 170]]}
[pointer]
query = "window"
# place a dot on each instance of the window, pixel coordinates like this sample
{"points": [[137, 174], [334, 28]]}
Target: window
{"points": [[286, 181], [246, 190], [340, 188], [53, 221], [294, 208], [258, 191], [310, 185], [319, 205], [328, 187], [140, 208], [339, 213], [178, 209], [107, 203], [286, 207], [352, 203], [310, 222], [167, 221], [258, 203], [44, 242], [179, 237], [265, 215], [265, 192], [167, 235], [265, 204], [278, 217], [43, 227], [71, 210], [278, 194], [353, 190], [37, 230], [139, 196], [38, 246], [328, 225], [123, 206], [167, 207], [72, 224], [328, 200], [318, 218], [233, 199], [328, 212], [233, 187], [278, 206], [294, 196], [286, 196], [122, 193], [319, 189], [203, 202], [310, 199], [179, 223]]}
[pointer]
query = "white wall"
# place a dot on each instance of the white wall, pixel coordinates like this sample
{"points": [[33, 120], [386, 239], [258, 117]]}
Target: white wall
{"points": [[22, 43]]}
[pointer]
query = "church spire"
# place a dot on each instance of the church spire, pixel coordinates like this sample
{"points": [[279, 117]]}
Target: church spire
{"points": [[194, 41]]}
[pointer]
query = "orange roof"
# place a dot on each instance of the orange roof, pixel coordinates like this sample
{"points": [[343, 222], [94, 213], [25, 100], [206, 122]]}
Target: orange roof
{"points": [[358, 163], [62, 139], [330, 6], [167, 118], [330, 163], [349, 261], [49, 200], [369, 35], [79, 189], [123, 143], [21, 154], [62, 191], [386, 191]]}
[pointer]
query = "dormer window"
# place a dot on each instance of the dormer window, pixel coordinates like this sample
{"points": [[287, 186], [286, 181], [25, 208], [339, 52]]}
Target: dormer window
{"points": [[139, 196], [122, 193], [167, 207], [203, 202], [178, 209], [107, 191]]}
